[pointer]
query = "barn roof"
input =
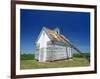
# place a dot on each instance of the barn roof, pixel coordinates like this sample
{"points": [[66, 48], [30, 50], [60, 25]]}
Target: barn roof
{"points": [[56, 36]]}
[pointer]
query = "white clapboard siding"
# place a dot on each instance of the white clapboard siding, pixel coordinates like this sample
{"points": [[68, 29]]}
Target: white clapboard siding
{"points": [[43, 39], [56, 53], [37, 54], [42, 42], [69, 49], [60, 53]]}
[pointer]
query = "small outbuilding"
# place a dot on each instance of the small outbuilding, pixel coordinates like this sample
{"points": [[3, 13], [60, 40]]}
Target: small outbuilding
{"points": [[52, 45]]}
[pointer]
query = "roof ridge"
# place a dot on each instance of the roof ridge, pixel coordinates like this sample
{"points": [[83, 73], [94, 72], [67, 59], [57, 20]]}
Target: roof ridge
{"points": [[50, 29]]}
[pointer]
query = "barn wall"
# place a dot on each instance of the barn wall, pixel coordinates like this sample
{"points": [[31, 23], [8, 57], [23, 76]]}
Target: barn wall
{"points": [[56, 53], [41, 45], [69, 49], [43, 40], [37, 54], [40, 54]]}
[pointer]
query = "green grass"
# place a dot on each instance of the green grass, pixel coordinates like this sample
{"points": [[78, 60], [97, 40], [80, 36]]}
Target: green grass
{"points": [[74, 62]]}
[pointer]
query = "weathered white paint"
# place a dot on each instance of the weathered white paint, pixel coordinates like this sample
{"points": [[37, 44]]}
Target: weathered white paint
{"points": [[36, 55], [61, 52], [43, 39], [69, 49], [42, 42]]}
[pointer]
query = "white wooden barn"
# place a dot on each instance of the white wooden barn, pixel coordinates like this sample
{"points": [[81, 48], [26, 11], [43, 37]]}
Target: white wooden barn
{"points": [[51, 45]]}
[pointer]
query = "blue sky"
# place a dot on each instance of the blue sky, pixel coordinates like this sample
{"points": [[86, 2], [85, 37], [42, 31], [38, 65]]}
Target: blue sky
{"points": [[73, 25]]}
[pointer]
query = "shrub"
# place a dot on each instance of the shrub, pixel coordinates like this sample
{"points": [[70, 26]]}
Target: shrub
{"points": [[87, 55], [27, 56]]}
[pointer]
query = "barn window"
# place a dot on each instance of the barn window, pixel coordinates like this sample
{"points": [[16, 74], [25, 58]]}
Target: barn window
{"points": [[43, 33]]}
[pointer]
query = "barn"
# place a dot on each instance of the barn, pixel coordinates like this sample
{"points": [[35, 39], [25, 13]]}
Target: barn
{"points": [[51, 45]]}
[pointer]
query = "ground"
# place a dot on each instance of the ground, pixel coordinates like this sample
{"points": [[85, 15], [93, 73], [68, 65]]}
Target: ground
{"points": [[74, 62]]}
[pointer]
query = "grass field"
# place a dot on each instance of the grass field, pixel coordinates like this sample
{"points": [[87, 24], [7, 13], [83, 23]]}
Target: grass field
{"points": [[74, 62]]}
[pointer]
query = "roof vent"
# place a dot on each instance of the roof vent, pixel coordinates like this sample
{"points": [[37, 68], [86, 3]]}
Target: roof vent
{"points": [[57, 30]]}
